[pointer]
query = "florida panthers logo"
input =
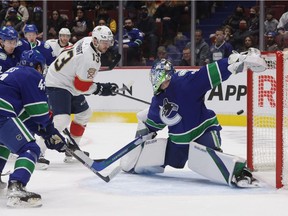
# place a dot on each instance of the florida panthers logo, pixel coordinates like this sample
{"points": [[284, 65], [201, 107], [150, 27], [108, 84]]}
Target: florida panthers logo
{"points": [[168, 113]]}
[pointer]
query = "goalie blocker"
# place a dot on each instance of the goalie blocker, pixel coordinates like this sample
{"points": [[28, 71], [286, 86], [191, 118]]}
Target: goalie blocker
{"points": [[217, 166]]}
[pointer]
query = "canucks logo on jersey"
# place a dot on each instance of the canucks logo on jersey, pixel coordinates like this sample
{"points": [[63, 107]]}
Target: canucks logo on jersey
{"points": [[169, 114]]}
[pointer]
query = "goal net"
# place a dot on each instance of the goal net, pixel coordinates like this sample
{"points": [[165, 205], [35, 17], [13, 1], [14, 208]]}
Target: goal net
{"points": [[267, 117]]}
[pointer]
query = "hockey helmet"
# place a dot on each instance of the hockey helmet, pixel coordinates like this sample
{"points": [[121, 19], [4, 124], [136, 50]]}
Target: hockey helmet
{"points": [[103, 33], [64, 31], [8, 33], [30, 28], [160, 72], [32, 58]]}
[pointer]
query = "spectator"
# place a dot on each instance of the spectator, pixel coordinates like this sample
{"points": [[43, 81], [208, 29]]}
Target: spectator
{"points": [[186, 57], [270, 24], [81, 26], [220, 49], [173, 52], [271, 44], [55, 23], [111, 23], [83, 5], [283, 24], [132, 41], [234, 19], [147, 25], [14, 19], [169, 15], [161, 54], [37, 20], [228, 32], [248, 42], [239, 35], [202, 52], [22, 11], [253, 23]]}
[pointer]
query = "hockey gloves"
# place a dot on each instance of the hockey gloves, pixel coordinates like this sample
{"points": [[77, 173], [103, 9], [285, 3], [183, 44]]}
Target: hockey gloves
{"points": [[106, 89], [53, 138]]}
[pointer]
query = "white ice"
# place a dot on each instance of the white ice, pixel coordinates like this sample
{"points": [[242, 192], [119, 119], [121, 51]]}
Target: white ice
{"points": [[72, 189]]}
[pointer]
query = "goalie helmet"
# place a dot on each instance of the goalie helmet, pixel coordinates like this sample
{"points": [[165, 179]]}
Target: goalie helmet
{"points": [[8, 33], [160, 72], [32, 58], [103, 33]]}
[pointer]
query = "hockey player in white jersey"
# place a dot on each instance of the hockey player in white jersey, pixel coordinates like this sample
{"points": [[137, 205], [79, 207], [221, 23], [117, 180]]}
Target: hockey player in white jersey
{"points": [[73, 75], [59, 44]]}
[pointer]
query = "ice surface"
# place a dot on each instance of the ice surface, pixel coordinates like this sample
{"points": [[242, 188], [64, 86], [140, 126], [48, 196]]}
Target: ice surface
{"points": [[72, 189]]}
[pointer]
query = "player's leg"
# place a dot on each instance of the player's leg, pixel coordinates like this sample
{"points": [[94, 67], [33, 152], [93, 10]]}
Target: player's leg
{"points": [[4, 155], [82, 116], [60, 103], [20, 141]]}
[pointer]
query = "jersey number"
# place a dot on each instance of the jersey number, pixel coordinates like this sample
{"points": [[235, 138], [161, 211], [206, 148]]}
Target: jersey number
{"points": [[63, 59]]}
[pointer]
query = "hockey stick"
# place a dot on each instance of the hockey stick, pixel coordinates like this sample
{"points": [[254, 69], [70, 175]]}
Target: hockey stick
{"points": [[113, 63], [100, 165], [74, 150], [133, 98]]}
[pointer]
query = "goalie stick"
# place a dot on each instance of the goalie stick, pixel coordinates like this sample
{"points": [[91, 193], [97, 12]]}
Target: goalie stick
{"points": [[99, 165], [74, 150]]}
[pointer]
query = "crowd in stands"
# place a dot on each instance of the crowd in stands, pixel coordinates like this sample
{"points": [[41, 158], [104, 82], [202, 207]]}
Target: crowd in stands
{"points": [[153, 27]]}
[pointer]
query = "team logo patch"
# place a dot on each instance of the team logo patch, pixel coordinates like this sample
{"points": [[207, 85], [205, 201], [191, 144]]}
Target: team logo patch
{"points": [[169, 113], [3, 56], [19, 137], [91, 73], [47, 46]]}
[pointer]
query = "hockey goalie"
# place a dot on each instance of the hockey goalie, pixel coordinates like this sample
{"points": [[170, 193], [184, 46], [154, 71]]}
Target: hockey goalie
{"points": [[193, 130]]}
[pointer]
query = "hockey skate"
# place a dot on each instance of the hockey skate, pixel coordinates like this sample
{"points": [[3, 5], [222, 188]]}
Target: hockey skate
{"points": [[18, 196], [42, 163], [245, 180]]}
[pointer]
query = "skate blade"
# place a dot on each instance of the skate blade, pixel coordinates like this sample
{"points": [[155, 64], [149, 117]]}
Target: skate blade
{"points": [[41, 166], [16, 202], [245, 184]]}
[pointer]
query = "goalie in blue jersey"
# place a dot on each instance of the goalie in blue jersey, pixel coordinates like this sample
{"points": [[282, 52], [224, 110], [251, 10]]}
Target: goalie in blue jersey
{"points": [[193, 130], [24, 112]]}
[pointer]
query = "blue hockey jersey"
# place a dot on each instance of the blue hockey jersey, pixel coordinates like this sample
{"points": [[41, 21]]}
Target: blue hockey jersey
{"points": [[22, 95], [181, 106], [43, 47], [8, 61]]}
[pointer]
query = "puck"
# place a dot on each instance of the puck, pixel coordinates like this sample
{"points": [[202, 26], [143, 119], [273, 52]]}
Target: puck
{"points": [[240, 112]]}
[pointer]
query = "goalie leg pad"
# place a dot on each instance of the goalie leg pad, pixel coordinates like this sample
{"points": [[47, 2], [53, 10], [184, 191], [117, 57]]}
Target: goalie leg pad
{"points": [[148, 158], [214, 165]]}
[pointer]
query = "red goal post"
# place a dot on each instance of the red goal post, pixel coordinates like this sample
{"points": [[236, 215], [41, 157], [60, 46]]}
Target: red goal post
{"points": [[267, 117]]}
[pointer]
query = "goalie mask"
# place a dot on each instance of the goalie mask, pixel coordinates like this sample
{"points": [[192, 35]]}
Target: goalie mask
{"points": [[160, 72]]}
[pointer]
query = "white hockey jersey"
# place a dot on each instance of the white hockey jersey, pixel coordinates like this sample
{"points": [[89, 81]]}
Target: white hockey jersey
{"points": [[56, 47], [75, 68]]}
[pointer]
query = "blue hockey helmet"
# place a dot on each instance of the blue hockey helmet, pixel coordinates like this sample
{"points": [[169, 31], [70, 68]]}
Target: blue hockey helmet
{"points": [[32, 58], [30, 28], [160, 72], [8, 33]]}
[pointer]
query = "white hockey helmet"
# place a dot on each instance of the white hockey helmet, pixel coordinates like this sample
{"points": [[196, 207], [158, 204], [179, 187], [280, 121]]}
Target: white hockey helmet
{"points": [[103, 33], [64, 31]]}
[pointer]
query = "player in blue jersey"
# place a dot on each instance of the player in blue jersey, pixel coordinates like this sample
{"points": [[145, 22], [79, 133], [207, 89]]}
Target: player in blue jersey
{"points": [[30, 42], [23, 97], [8, 42], [193, 130]]}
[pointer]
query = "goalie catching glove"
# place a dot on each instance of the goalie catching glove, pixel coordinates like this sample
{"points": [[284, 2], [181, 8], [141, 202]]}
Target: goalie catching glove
{"points": [[106, 89]]}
